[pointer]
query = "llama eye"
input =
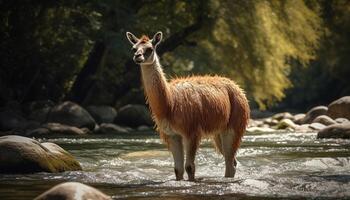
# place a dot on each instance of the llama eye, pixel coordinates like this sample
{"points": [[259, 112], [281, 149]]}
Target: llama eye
{"points": [[133, 50]]}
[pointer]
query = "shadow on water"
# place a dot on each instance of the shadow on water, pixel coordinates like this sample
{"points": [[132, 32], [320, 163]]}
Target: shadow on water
{"points": [[137, 166]]}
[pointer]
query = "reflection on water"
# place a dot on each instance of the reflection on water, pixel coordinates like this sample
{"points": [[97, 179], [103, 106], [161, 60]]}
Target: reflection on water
{"points": [[273, 165]]}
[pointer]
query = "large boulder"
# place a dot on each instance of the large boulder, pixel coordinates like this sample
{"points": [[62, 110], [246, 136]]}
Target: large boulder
{"points": [[50, 129], [324, 119], [10, 120], [102, 114], [73, 191], [134, 116], [335, 131], [71, 114], [24, 155], [313, 113], [339, 108]]}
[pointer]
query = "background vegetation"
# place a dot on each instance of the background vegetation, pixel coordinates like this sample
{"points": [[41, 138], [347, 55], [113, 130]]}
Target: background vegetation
{"points": [[289, 54]]}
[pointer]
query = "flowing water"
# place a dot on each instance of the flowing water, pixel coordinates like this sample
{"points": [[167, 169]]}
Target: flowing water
{"points": [[137, 166]]}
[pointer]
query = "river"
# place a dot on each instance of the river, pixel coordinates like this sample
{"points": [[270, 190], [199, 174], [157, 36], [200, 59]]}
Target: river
{"points": [[137, 166]]}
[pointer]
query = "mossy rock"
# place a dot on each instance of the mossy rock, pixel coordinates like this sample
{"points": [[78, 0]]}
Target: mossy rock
{"points": [[24, 155]]}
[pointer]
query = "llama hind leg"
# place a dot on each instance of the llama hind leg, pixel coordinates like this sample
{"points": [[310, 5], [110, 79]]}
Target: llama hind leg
{"points": [[191, 146], [227, 140], [176, 148]]}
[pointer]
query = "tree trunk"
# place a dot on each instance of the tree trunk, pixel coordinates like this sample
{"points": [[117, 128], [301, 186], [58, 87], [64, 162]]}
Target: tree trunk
{"points": [[84, 80]]}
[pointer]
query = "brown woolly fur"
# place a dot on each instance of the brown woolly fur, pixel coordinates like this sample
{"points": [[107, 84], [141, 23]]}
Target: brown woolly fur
{"points": [[188, 109]]}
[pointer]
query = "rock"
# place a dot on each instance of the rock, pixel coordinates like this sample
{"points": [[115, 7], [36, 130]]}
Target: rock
{"points": [[324, 119], [10, 120], [259, 130], [73, 191], [134, 116], [270, 121], [107, 128], [340, 108], [335, 131], [146, 154], [317, 126], [144, 128], [304, 128], [38, 110], [56, 129], [298, 118], [286, 123], [281, 116], [313, 113], [102, 114], [24, 155], [253, 123], [71, 114], [341, 120]]}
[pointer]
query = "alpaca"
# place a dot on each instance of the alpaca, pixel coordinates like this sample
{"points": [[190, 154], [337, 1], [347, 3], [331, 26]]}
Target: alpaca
{"points": [[188, 109]]}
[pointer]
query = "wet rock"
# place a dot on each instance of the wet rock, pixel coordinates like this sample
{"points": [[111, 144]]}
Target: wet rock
{"points": [[71, 114], [24, 155], [286, 123], [324, 119], [335, 131], [313, 113], [341, 120], [56, 129], [146, 154], [317, 126], [38, 110], [298, 118], [73, 191], [304, 128], [102, 114], [339, 108], [270, 121], [134, 116], [281, 116], [107, 128], [10, 120], [259, 129]]}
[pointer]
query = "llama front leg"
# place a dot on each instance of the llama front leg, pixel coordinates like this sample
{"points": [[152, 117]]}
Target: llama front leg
{"points": [[176, 148], [227, 140], [191, 146]]}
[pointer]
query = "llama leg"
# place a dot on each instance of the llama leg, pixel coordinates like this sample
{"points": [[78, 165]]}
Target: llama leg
{"points": [[191, 146], [229, 153], [176, 148]]}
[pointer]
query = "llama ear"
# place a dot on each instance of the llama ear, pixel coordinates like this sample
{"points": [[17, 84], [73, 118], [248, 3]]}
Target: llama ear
{"points": [[157, 38], [132, 38]]}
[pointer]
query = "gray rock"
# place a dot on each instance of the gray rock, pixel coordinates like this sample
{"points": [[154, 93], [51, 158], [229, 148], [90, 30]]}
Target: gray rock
{"points": [[317, 126], [10, 120], [107, 128], [336, 131], [56, 129], [253, 123], [340, 108], [270, 121], [73, 191], [286, 123], [102, 114], [134, 116], [259, 129], [144, 128], [71, 114], [298, 118], [313, 113], [324, 119], [304, 128], [25, 155], [341, 120], [281, 116]]}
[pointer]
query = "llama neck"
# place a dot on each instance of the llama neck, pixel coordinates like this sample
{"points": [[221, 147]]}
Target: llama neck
{"points": [[156, 89]]}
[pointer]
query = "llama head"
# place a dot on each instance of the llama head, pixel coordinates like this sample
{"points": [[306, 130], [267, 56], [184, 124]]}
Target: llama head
{"points": [[144, 49]]}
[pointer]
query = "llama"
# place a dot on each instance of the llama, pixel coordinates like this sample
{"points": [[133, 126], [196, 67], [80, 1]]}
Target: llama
{"points": [[188, 109]]}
